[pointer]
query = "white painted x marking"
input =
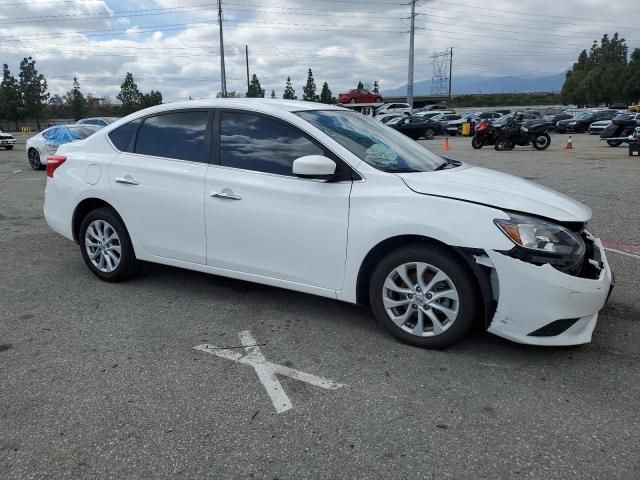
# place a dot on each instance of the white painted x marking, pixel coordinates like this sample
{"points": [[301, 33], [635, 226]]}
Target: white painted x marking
{"points": [[267, 371]]}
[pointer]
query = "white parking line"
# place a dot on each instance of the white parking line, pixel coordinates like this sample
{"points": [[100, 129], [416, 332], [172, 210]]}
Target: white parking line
{"points": [[267, 371], [628, 254]]}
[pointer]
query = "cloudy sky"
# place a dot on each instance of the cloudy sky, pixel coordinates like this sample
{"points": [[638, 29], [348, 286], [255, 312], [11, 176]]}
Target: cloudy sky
{"points": [[172, 45]]}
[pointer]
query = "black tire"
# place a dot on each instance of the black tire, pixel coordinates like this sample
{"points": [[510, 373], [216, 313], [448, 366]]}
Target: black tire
{"points": [[128, 266], [581, 129], [9, 147], [477, 143], [453, 267], [541, 142], [352, 100], [34, 159], [504, 145], [614, 143], [429, 133], [378, 100]]}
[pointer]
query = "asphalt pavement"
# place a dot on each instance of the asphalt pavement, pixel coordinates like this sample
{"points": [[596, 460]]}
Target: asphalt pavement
{"points": [[102, 380]]}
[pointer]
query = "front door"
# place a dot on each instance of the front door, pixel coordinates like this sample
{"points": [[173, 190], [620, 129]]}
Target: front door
{"points": [[262, 220]]}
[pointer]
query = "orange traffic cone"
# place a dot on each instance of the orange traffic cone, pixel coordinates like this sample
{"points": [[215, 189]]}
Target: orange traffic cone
{"points": [[446, 143], [569, 144]]}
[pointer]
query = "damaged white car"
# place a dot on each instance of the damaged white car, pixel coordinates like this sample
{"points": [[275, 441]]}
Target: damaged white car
{"points": [[323, 200]]}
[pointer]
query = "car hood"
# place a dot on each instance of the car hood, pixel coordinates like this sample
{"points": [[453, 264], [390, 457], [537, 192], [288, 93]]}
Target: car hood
{"points": [[496, 189]]}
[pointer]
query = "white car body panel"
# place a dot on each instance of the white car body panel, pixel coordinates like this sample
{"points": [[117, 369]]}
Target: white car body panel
{"points": [[313, 236]]}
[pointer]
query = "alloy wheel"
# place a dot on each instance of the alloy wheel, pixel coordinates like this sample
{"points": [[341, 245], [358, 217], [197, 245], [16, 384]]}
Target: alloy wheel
{"points": [[103, 246], [34, 159], [420, 299]]}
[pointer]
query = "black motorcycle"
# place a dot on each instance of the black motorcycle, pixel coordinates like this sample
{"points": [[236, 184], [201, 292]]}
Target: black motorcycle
{"points": [[619, 130], [513, 133]]}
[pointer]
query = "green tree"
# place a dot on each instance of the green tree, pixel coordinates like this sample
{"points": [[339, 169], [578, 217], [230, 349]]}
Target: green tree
{"points": [[129, 95], [151, 99], [75, 101], [600, 75], [376, 88], [360, 85], [9, 96], [309, 89], [33, 89], [255, 90], [632, 78], [325, 94], [289, 92], [273, 94]]}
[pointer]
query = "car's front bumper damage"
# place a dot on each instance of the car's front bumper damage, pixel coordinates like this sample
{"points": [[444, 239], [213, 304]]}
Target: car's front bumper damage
{"points": [[540, 305]]}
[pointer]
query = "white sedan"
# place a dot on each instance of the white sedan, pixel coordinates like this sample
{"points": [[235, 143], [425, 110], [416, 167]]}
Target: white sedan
{"points": [[46, 143], [319, 199]]}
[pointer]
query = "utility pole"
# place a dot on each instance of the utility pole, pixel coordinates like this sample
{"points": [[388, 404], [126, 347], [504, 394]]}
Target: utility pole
{"points": [[246, 53], [223, 75], [450, 70], [411, 35]]}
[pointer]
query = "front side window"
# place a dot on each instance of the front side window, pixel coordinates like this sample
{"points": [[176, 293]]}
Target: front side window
{"points": [[262, 144], [176, 135], [381, 147]]}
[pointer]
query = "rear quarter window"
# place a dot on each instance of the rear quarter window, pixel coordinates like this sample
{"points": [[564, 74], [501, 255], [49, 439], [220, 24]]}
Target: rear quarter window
{"points": [[122, 136]]}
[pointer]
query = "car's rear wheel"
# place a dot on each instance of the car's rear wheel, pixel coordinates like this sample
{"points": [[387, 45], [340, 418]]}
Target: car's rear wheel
{"points": [[106, 247], [429, 133], [424, 295], [352, 100], [9, 147], [34, 159], [378, 99]]}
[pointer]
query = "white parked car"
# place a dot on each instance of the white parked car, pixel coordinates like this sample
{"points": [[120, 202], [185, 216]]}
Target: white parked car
{"points": [[46, 143], [322, 200], [7, 140], [596, 128], [393, 108]]}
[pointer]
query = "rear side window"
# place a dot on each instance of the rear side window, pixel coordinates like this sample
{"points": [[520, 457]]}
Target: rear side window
{"points": [[121, 137], [262, 144], [178, 135]]}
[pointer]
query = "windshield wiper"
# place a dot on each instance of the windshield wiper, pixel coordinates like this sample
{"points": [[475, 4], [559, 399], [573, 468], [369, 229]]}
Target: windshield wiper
{"points": [[447, 164]]}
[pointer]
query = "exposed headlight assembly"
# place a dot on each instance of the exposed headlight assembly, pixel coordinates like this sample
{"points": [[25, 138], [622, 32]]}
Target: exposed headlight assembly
{"points": [[538, 241]]}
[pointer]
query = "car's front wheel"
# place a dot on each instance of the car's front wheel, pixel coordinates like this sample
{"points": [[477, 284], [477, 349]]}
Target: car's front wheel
{"points": [[424, 296], [429, 133], [106, 247], [34, 159]]}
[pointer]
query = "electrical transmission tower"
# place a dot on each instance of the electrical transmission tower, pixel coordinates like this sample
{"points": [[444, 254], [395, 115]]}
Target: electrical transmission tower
{"points": [[441, 62]]}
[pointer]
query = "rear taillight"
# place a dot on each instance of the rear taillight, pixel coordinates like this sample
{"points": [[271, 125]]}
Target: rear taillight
{"points": [[53, 162]]}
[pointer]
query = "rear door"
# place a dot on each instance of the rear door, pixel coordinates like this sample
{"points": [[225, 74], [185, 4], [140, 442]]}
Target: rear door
{"points": [[158, 182]]}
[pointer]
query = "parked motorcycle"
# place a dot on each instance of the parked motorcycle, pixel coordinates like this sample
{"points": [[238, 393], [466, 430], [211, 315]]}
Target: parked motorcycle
{"points": [[619, 131], [513, 134], [485, 134]]}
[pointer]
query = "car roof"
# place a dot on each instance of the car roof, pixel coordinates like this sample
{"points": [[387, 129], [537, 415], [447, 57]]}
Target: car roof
{"points": [[250, 103]]}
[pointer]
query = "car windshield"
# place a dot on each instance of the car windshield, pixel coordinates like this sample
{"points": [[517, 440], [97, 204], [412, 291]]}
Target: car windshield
{"points": [[437, 117], [381, 147], [583, 115], [395, 120]]}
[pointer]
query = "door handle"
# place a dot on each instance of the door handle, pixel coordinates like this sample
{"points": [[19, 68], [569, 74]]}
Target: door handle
{"points": [[127, 180], [225, 194]]}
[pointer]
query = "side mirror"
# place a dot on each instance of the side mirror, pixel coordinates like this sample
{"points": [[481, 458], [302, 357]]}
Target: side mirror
{"points": [[314, 166]]}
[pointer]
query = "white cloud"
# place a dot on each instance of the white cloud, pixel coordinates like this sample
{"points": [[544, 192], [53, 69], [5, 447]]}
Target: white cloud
{"points": [[342, 42]]}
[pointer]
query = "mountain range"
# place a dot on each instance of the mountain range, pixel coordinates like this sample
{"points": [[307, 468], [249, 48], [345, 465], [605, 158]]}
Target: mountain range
{"points": [[473, 84]]}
